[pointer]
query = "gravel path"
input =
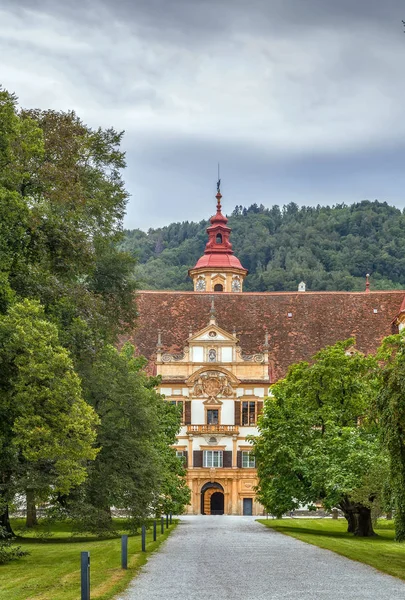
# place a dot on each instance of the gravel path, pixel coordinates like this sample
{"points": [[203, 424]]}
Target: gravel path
{"points": [[223, 558]]}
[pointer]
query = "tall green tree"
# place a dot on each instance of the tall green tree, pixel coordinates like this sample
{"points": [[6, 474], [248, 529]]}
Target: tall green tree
{"points": [[390, 405], [317, 440], [135, 469], [47, 430]]}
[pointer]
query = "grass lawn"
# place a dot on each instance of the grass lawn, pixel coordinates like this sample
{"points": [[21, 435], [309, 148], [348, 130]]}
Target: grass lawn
{"points": [[380, 552], [52, 570]]}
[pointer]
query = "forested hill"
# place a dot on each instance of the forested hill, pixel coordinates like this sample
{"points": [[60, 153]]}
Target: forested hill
{"points": [[330, 248]]}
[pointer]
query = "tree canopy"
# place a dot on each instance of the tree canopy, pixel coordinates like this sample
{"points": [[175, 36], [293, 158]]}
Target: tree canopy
{"points": [[80, 422], [330, 248], [318, 441]]}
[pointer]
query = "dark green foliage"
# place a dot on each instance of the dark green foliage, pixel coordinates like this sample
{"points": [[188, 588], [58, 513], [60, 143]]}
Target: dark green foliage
{"points": [[330, 248], [317, 442], [9, 552], [66, 293], [391, 414]]}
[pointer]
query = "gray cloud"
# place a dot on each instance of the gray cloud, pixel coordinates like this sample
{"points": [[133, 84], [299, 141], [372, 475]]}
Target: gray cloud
{"points": [[298, 100]]}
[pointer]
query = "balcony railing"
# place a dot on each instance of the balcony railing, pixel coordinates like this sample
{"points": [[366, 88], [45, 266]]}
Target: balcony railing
{"points": [[214, 429]]}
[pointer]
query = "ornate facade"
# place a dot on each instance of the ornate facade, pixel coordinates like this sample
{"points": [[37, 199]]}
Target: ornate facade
{"points": [[220, 391]]}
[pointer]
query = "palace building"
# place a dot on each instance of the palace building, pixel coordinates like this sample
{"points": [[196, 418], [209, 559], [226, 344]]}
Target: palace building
{"points": [[218, 349]]}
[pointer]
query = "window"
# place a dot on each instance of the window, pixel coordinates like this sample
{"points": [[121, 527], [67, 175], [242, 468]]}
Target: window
{"points": [[198, 354], [180, 405], [213, 416], [248, 413], [218, 239], [226, 354], [248, 460], [218, 287], [182, 455], [212, 355], [212, 458]]}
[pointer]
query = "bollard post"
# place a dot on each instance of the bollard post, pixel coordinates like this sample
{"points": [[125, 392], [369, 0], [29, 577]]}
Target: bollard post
{"points": [[154, 531], [85, 575], [143, 538], [170, 518], [162, 525], [124, 552], [167, 521]]}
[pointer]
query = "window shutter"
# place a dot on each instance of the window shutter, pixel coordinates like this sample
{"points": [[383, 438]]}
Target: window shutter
{"points": [[259, 408], [237, 412], [187, 413], [197, 458], [186, 459], [227, 459], [239, 459]]}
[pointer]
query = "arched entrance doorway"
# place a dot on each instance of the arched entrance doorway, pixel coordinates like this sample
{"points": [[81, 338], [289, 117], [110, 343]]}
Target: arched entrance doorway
{"points": [[212, 499]]}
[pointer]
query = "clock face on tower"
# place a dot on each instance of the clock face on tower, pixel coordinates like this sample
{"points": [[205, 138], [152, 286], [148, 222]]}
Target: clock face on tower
{"points": [[200, 285], [236, 287]]}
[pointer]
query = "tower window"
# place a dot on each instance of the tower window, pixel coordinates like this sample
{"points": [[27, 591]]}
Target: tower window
{"points": [[218, 287], [218, 239]]}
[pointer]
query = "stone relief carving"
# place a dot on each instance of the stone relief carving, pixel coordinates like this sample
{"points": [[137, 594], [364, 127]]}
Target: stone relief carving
{"points": [[258, 358], [172, 357], [212, 384]]}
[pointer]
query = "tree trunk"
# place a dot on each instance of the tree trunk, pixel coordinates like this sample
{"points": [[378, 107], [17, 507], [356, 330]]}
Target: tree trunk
{"points": [[351, 521], [347, 509], [364, 524], [31, 519], [5, 521]]}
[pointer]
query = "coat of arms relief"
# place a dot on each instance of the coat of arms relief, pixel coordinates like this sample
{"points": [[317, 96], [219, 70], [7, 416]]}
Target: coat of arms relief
{"points": [[213, 384]]}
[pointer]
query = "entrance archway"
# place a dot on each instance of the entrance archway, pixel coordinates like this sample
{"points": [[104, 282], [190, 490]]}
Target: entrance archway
{"points": [[217, 503], [212, 499]]}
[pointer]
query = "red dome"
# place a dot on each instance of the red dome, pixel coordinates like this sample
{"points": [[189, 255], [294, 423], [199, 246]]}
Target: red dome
{"points": [[218, 260]]}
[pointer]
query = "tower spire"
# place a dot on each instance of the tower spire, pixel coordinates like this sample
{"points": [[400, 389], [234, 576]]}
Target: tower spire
{"points": [[218, 270], [219, 195], [367, 283]]}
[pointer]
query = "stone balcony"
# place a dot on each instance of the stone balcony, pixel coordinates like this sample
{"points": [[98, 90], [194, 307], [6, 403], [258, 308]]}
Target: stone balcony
{"points": [[214, 429]]}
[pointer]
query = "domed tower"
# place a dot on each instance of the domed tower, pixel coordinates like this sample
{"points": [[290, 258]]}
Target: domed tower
{"points": [[218, 270]]}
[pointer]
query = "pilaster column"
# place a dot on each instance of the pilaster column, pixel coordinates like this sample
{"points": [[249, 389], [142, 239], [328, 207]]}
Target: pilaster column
{"points": [[235, 507], [234, 451], [190, 452]]}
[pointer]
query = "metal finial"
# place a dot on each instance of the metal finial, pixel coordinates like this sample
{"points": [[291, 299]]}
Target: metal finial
{"points": [[219, 182]]}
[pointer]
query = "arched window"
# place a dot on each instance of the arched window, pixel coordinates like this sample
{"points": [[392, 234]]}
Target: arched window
{"points": [[218, 287], [218, 239]]}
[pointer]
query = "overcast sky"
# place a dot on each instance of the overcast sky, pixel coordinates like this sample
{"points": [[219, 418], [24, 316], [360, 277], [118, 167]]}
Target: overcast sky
{"points": [[299, 100]]}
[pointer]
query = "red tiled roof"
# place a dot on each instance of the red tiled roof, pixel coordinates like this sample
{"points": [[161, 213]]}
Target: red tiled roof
{"points": [[317, 319]]}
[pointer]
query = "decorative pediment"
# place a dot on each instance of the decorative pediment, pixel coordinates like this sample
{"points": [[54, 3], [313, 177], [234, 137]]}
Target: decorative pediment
{"points": [[213, 333], [212, 402]]}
